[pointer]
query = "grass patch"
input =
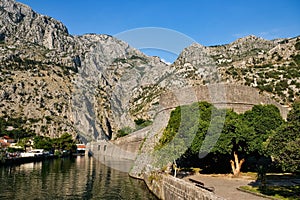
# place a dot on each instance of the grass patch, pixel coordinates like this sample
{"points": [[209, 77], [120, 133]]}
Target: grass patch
{"points": [[277, 192], [251, 175]]}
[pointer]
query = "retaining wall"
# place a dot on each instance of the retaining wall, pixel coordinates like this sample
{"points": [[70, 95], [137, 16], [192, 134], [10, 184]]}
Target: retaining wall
{"points": [[167, 187], [124, 148]]}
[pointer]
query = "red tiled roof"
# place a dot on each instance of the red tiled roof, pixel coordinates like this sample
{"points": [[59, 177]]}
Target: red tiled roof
{"points": [[4, 144]]}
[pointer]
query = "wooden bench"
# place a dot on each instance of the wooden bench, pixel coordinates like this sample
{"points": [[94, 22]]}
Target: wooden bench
{"points": [[201, 185], [195, 181]]}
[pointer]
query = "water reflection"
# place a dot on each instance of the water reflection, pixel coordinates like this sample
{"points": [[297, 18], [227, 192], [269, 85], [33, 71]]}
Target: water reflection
{"points": [[80, 178]]}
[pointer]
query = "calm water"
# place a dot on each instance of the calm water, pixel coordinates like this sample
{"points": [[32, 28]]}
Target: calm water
{"points": [[77, 178]]}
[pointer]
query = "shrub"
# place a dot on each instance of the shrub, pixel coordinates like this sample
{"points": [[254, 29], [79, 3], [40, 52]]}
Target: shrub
{"points": [[124, 131], [297, 59], [272, 74], [267, 88], [141, 123], [282, 85], [297, 46]]}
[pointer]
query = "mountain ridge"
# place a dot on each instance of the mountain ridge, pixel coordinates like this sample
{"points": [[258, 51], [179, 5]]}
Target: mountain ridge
{"points": [[95, 85]]}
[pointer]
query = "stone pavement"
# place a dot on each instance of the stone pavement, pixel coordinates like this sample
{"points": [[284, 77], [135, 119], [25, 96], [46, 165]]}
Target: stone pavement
{"points": [[226, 187]]}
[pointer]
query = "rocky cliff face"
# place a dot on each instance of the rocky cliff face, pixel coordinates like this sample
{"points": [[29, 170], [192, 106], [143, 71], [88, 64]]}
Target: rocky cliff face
{"points": [[95, 85], [20, 24], [271, 66], [61, 83]]}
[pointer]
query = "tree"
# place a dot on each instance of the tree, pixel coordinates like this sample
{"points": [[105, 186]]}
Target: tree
{"points": [[263, 118], [24, 142], [178, 135], [65, 142], [42, 143], [199, 125], [284, 144], [242, 134], [235, 139]]}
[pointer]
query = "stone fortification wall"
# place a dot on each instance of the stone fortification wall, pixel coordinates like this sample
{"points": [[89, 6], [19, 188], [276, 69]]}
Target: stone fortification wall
{"points": [[238, 97], [124, 148]]}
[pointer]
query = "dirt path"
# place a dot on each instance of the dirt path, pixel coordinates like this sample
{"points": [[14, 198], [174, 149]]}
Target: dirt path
{"points": [[226, 187]]}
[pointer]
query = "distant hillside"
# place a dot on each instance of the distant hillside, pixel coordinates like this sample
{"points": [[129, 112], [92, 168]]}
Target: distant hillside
{"points": [[271, 66]]}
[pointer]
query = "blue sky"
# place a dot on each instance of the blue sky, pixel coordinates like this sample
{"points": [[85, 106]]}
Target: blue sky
{"points": [[209, 22]]}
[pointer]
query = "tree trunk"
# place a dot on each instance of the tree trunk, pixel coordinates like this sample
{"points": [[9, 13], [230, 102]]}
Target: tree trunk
{"points": [[175, 168], [236, 165]]}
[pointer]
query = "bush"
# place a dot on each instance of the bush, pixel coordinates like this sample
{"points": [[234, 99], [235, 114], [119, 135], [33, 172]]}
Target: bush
{"points": [[282, 85], [297, 46], [297, 59], [124, 131], [272, 74], [141, 123], [267, 88]]}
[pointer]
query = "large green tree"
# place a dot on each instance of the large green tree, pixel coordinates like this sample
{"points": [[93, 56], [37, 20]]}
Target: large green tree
{"points": [[41, 142], [284, 144], [236, 138], [65, 142], [263, 118], [178, 134], [246, 133], [219, 132]]}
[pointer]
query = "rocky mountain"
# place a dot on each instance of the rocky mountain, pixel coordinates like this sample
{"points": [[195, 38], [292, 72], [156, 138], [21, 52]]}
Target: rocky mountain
{"points": [[96, 85], [57, 82], [271, 66]]}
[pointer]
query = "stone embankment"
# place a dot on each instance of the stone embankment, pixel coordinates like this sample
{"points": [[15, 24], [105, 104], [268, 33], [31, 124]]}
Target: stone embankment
{"points": [[22, 160], [169, 188], [123, 148]]}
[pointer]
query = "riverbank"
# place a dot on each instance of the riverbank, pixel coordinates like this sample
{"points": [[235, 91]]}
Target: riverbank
{"points": [[32, 159], [23, 160]]}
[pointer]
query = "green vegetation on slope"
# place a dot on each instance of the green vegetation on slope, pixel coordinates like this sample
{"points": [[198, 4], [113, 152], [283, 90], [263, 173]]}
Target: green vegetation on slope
{"points": [[64, 142], [139, 124], [243, 136], [13, 127], [284, 143]]}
